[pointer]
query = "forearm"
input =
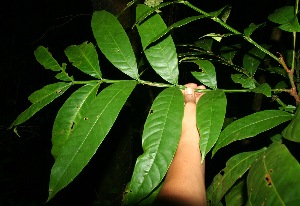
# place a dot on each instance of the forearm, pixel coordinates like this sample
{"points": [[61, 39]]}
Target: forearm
{"points": [[185, 180]]}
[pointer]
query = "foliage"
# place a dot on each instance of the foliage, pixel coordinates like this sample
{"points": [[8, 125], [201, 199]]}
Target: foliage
{"points": [[270, 175]]}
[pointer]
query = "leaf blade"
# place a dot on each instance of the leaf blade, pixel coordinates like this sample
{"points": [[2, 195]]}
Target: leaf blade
{"points": [[161, 56], [250, 126], [114, 42], [40, 99], [235, 168], [85, 58], [161, 135], [88, 135], [210, 114], [45, 58], [208, 75], [273, 179], [70, 114]]}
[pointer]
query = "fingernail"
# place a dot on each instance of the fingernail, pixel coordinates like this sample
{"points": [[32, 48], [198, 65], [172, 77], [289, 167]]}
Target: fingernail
{"points": [[189, 90]]}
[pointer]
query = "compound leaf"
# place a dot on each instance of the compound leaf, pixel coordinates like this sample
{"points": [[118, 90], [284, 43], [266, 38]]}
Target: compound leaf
{"points": [[160, 138], [274, 178], [40, 99], [211, 110], [85, 58], [97, 119], [250, 126], [235, 168], [114, 42], [161, 56], [70, 114]]}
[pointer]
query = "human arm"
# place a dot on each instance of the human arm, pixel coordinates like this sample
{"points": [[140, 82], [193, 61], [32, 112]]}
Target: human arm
{"points": [[185, 180]]}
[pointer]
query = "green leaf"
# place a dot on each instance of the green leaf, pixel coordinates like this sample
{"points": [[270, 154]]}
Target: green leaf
{"points": [[246, 82], [292, 131], [250, 126], [44, 57], [40, 99], [222, 13], [274, 178], [228, 52], [277, 70], [264, 89], [217, 37], [235, 168], [70, 114], [152, 196], [114, 42], [175, 25], [291, 26], [252, 27], [204, 44], [237, 195], [161, 56], [161, 135], [252, 59], [282, 15], [85, 58], [63, 75], [208, 74], [97, 119], [211, 110]]}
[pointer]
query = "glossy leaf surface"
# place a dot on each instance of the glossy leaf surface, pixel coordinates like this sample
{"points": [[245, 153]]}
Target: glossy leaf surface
{"points": [[161, 56], [211, 110], [264, 89], [274, 178], [235, 168], [160, 138], [97, 119], [250, 126], [245, 81], [70, 114], [45, 58], [40, 99], [85, 58], [114, 42], [208, 74], [292, 131]]}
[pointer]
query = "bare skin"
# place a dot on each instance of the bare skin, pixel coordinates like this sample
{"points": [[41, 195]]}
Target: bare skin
{"points": [[185, 180]]}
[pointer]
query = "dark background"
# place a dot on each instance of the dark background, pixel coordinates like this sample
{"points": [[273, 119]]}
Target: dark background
{"points": [[26, 161]]}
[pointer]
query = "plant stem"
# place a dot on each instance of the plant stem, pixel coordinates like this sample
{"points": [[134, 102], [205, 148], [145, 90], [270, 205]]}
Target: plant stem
{"points": [[234, 31]]}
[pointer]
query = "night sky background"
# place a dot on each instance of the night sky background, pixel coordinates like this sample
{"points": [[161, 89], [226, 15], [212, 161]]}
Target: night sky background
{"points": [[26, 161]]}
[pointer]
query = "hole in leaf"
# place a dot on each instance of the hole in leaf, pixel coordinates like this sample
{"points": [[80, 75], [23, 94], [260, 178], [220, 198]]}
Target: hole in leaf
{"points": [[151, 111], [73, 123], [268, 179], [270, 170], [222, 173], [86, 118], [58, 91]]}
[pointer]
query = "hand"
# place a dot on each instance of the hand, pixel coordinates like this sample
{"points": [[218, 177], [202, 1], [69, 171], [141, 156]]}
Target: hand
{"points": [[190, 96]]}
